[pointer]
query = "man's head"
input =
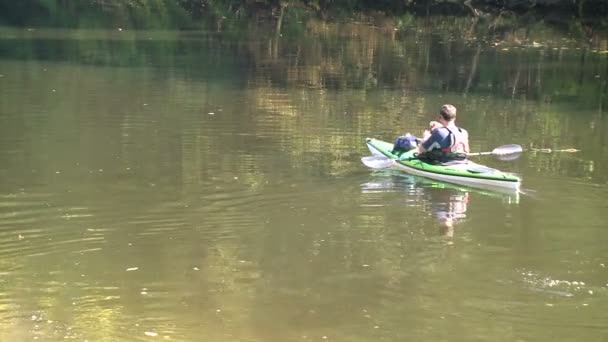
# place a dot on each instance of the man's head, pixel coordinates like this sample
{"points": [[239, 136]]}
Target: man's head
{"points": [[447, 112]]}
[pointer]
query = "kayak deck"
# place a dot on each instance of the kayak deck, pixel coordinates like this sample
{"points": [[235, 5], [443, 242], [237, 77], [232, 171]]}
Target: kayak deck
{"points": [[469, 173]]}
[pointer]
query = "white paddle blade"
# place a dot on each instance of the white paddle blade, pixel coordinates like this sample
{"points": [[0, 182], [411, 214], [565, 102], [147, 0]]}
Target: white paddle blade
{"points": [[377, 162], [507, 149], [508, 157]]}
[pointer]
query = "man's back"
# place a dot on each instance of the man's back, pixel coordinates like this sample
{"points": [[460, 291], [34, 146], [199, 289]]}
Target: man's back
{"points": [[452, 139]]}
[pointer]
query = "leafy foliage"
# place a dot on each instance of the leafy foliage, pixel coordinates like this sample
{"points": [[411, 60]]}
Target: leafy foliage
{"points": [[192, 13]]}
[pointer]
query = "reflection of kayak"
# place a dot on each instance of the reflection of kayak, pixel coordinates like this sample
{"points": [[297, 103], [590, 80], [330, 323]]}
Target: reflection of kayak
{"points": [[394, 180], [470, 173]]}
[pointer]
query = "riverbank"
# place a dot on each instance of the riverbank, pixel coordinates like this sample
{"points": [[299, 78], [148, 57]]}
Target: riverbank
{"points": [[216, 14]]}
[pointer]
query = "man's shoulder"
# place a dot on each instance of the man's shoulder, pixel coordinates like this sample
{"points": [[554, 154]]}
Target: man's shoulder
{"points": [[455, 129], [441, 131]]}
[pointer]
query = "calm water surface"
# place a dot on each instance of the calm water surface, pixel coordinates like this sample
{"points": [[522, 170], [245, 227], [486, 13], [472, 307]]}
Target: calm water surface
{"points": [[208, 187]]}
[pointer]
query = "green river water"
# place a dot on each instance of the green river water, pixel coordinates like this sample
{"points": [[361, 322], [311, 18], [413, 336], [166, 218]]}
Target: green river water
{"points": [[207, 186]]}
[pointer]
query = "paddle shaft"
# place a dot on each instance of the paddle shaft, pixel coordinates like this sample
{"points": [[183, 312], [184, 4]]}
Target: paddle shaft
{"points": [[479, 154], [513, 149]]}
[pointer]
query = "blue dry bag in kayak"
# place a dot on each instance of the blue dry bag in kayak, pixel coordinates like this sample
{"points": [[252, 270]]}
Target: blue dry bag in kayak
{"points": [[405, 143]]}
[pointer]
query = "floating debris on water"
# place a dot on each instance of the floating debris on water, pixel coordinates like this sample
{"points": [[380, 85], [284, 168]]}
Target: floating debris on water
{"points": [[132, 269], [151, 333]]}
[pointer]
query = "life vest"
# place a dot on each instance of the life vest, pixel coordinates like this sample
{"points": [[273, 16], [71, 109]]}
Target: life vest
{"points": [[455, 153], [457, 139]]}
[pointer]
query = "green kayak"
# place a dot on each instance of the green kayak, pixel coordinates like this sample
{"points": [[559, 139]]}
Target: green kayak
{"points": [[468, 173]]}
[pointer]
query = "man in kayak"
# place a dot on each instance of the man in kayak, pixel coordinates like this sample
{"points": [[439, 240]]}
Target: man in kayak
{"points": [[444, 141]]}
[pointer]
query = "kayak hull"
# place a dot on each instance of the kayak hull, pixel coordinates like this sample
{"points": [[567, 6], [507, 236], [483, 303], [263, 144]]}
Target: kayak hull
{"points": [[468, 174]]}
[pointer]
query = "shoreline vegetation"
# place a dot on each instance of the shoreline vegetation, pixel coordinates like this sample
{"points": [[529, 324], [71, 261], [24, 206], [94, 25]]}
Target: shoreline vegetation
{"points": [[591, 15], [303, 48]]}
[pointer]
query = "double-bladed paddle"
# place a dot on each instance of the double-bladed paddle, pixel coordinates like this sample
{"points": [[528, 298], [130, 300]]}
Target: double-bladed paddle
{"points": [[504, 152]]}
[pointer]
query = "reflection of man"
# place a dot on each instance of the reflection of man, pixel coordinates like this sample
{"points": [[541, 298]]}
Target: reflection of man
{"points": [[450, 211]]}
